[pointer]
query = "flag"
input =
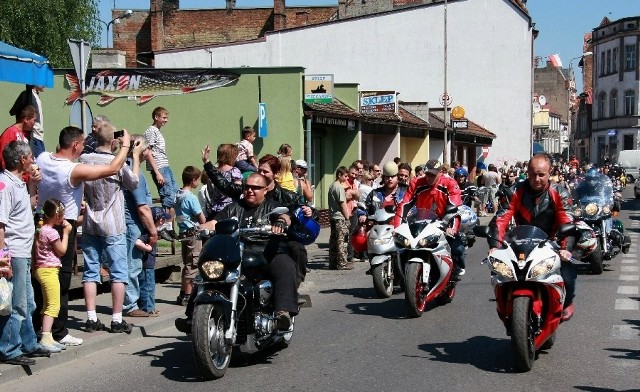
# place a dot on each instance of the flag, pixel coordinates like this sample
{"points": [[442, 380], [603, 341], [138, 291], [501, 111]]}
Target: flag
{"points": [[555, 60]]}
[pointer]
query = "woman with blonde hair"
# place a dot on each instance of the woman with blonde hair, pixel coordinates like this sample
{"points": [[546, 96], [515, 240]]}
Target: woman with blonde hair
{"points": [[285, 177]]}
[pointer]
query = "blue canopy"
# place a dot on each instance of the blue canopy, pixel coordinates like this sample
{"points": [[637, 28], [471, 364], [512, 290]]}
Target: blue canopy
{"points": [[21, 66]]}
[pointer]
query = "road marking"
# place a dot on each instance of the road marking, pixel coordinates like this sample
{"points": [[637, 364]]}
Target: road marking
{"points": [[629, 261], [629, 277], [629, 290], [624, 332], [629, 268], [627, 304]]}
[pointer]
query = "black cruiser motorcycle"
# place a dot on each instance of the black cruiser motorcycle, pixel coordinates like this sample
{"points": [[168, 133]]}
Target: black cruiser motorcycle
{"points": [[234, 306]]}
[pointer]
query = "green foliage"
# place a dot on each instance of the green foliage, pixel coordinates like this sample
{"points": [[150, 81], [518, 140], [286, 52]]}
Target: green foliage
{"points": [[43, 26]]}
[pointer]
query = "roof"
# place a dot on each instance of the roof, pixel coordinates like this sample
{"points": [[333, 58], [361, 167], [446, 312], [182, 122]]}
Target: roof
{"points": [[337, 109]]}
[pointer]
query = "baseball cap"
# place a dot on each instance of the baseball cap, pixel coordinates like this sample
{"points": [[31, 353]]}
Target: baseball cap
{"points": [[301, 163], [159, 213], [390, 169], [432, 166]]}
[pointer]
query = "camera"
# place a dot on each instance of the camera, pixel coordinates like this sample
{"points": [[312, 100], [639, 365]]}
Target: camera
{"points": [[118, 134]]}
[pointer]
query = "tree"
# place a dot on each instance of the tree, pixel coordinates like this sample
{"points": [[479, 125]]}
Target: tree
{"points": [[43, 26]]}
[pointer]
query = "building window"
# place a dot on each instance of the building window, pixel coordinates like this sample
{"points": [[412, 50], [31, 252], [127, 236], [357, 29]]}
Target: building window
{"points": [[629, 57], [602, 98], [613, 103], [614, 60], [608, 61], [601, 64], [627, 142], [629, 103]]}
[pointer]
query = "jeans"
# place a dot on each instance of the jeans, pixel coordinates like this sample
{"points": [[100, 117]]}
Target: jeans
{"points": [[148, 290], [168, 191], [37, 147], [457, 250], [18, 336], [134, 261], [569, 274]]}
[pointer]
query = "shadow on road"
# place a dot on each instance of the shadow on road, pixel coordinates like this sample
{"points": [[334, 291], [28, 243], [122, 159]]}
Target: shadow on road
{"points": [[355, 292], [598, 389], [483, 352], [393, 308], [625, 353]]}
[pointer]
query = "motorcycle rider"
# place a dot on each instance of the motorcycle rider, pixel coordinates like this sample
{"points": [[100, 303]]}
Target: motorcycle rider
{"points": [[539, 203], [390, 193], [435, 191], [461, 175]]}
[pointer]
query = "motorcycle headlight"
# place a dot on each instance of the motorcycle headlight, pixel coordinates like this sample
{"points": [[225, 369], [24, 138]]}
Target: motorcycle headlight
{"points": [[591, 209], [381, 241], [212, 269], [401, 240], [542, 267], [606, 209], [429, 241], [501, 268], [577, 212]]}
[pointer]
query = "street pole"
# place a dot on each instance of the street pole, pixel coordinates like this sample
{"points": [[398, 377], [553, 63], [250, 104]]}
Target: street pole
{"points": [[446, 94]]}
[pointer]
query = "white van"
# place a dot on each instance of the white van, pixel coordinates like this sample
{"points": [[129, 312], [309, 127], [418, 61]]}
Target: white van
{"points": [[630, 160]]}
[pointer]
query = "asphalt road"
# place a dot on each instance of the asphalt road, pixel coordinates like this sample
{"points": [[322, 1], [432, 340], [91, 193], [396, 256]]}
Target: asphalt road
{"points": [[349, 340]]}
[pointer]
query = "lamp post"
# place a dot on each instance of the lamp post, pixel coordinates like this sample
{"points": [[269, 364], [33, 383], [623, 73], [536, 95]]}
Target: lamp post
{"points": [[445, 157], [569, 106], [115, 20]]}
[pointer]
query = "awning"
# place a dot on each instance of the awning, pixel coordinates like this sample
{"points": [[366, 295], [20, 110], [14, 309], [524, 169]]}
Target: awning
{"points": [[21, 66]]}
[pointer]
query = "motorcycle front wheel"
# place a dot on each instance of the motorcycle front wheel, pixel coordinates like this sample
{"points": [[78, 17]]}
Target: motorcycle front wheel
{"points": [[212, 355], [416, 290], [522, 336], [595, 260], [382, 282]]}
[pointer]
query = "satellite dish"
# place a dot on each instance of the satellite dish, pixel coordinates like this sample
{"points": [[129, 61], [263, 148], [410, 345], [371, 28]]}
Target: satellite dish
{"points": [[543, 100], [536, 107]]}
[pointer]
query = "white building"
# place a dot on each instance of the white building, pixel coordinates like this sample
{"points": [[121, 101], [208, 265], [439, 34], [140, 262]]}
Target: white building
{"points": [[489, 52], [616, 86]]}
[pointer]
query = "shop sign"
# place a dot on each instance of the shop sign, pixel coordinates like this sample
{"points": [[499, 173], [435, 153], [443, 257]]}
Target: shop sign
{"points": [[460, 124], [378, 102], [318, 88], [332, 121]]}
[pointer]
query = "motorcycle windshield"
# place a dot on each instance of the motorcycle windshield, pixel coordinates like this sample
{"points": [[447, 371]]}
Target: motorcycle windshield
{"points": [[523, 239], [423, 214], [597, 190]]}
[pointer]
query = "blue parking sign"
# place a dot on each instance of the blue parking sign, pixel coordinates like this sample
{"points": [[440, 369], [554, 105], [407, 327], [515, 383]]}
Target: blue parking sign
{"points": [[262, 120]]}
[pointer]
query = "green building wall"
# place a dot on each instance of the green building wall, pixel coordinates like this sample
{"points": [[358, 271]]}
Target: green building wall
{"points": [[209, 117]]}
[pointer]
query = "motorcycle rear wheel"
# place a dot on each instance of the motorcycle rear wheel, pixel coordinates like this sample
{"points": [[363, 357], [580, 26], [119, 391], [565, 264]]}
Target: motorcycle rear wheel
{"points": [[382, 282], [522, 336], [416, 290], [212, 355], [595, 260]]}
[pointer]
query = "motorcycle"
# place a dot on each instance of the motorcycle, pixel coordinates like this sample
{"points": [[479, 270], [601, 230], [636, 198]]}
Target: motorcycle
{"points": [[425, 252], [386, 269], [594, 204], [234, 306], [529, 289]]}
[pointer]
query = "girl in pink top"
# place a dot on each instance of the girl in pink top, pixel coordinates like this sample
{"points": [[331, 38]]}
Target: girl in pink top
{"points": [[49, 248]]}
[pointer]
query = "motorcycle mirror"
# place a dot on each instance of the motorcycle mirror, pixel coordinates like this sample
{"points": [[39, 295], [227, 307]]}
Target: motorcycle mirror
{"points": [[481, 231]]}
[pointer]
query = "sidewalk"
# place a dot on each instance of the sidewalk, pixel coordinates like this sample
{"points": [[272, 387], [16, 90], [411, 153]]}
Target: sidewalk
{"points": [[142, 326]]}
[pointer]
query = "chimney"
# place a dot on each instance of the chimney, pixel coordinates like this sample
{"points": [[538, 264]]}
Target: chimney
{"points": [[279, 15], [157, 25], [342, 9]]}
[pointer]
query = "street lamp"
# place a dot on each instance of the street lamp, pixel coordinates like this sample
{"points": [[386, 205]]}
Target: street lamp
{"points": [[569, 106], [115, 20]]}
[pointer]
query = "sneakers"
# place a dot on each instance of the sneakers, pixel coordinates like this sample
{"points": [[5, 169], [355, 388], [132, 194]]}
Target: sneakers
{"points": [[73, 341], [182, 300], [137, 313], [458, 273], [121, 327], [52, 348], [39, 352], [284, 320], [567, 313], [92, 326], [165, 235], [346, 267]]}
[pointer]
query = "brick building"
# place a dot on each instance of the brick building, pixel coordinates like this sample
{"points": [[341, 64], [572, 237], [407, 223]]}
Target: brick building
{"points": [[166, 26]]}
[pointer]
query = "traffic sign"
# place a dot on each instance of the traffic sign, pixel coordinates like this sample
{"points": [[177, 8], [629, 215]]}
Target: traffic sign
{"points": [[457, 112], [262, 120], [448, 98]]}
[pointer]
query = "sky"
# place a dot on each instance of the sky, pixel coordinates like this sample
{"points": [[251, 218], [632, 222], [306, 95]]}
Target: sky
{"points": [[562, 23]]}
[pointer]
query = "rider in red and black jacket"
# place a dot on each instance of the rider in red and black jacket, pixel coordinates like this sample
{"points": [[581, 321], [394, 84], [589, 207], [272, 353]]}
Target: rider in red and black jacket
{"points": [[435, 191], [539, 203]]}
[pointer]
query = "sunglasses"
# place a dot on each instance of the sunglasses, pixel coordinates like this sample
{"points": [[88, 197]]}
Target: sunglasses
{"points": [[254, 188]]}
